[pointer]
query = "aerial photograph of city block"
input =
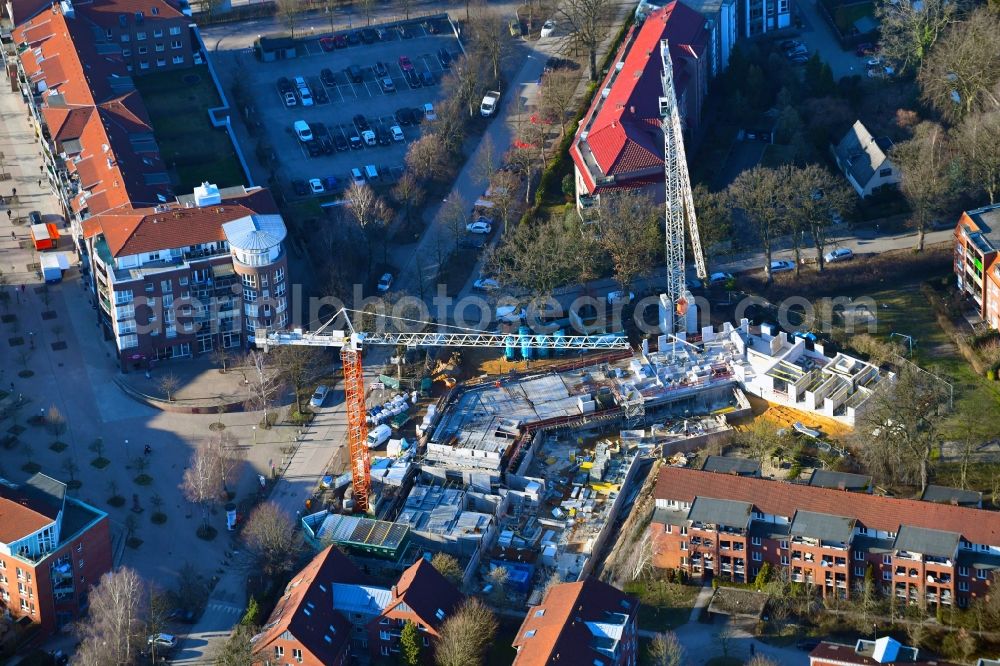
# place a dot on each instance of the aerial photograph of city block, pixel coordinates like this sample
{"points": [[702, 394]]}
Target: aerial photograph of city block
{"points": [[500, 332]]}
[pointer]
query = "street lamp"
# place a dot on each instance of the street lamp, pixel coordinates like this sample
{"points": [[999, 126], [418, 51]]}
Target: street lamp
{"points": [[126, 450], [254, 435]]}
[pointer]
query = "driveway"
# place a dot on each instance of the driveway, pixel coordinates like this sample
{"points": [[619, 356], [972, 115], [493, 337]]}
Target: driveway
{"points": [[818, 36]]}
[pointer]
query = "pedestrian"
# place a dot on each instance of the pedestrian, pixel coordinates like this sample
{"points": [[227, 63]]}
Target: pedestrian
{"points": [[10, 214], [752, 649], [39, 182], [13, 236], [13, 193]]}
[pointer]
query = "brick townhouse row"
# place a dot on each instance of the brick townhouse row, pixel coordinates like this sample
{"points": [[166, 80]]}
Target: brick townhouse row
{"points": [[927, 553]]}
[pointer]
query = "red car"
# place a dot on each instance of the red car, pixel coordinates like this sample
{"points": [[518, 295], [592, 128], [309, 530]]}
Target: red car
{"points": [[405, 64], [326, 43], [340, 42]]}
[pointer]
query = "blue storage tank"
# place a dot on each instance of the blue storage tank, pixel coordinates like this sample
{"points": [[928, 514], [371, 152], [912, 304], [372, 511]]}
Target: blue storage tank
{"points": [[510, 349], [525, 349], [543, 352], [559, 334]]}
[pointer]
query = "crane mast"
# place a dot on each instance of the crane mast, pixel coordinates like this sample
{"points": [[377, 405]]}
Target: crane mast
{"points": [[351, 342], [679, 201]]}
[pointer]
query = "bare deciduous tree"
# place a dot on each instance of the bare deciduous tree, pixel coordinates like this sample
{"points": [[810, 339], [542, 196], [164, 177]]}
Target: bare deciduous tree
{"points": [[812, 196], [491, 38], [204, 479], [55, 421], [979, 151], [909, 30], [289, 11], [464, 83], [757, 195], [503, 194], [517, 261], [168, 383], [961, 72], [427, 158], [466, 635], [114, 630], [271, 538], [448, 567], [666, 650], [628, 230], [557, 96], [263, 382], [455, 215], [408, 195], [370, 213], [587, 23], [298, 366], [923, 176]]}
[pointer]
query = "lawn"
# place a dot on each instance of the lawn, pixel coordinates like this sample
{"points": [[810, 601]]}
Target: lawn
{"points": [[193, 150], [662, 605]]}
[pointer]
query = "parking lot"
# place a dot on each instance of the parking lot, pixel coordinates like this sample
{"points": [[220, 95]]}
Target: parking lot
{"points": [[365, 106]]}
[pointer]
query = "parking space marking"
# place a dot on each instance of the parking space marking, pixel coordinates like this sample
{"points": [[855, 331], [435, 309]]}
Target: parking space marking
{"points": [[313, 48], [373, 88]]}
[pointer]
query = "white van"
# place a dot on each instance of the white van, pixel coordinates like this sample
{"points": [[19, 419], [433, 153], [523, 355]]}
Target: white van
{"points": [[379, 436], [371, 173], [356, 176]]}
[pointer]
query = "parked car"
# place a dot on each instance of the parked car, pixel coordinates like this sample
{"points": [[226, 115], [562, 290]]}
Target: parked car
{"points": [[397, 133], [316, 186], [369, 36], [385, 282], [327, 145], [387, 85], [314, 148], [472, 243], [619, 296], [485, 284], [354, 139], [355, 74], [427, 78], [381, 70], [361, 123], [300, 187], [866, 48], [515, 28], [330, 183], [840, 254], [290, 99], [429, 113], [405, 64], [782, 266], [326, 76], [480, 226], [339, 142], [383, 137], [339, 41], [368, 137], [790, 44], [418, 115], [353, 38], [302, 130], [327, 43], [719, 278], [412, 78], [444, 58], [548, 28], [319, 396], [162, 640], [404, 116]]}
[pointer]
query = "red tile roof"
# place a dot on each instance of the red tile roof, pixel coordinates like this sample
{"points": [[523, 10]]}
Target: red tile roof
{"points": [[306, 609], [105, 13], [22, 513], [426, 592], [22, 10], [559, 623], [837, 653], [784, 499], [624, 132], [132, 230]]}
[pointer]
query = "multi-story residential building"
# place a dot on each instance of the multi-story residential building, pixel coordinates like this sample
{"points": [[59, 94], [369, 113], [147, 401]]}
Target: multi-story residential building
{"points": [[977, 239], [53, 548], [922, 552], [586, 622], [331, 611], [205, 272], [761, 16], [885, 650], [619, 143]]}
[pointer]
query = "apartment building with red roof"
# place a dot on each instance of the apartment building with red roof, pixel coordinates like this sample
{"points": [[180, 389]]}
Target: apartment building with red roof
{"points": [[976, 265], [53, 548], [619, 143], [884, 650], [331, 612], [924, 552], [586, 622], [202, 273]]}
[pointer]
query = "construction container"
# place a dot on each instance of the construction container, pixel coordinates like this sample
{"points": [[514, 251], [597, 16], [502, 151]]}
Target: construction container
{"points": [[44, 236]]}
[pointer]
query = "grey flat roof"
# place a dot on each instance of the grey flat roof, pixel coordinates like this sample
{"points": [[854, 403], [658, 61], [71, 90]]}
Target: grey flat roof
{"points": [[974, 560], [926, 541], [768, 530], [946, 495], [666, 516], [729, 513], [45, 489], [727, 465], [825, 478], [822, 526]]}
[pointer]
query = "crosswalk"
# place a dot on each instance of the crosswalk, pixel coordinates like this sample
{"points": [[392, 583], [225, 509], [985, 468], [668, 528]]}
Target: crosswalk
{"points": [[224, 608]]}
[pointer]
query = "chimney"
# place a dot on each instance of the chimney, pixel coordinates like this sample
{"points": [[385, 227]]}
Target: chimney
{"points": [[631, 109], [394, 593], [842, 485]]}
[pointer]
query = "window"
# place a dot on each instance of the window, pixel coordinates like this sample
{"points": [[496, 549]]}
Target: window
{"points": [[140, 36], [161, 62], [297, 655], [250, 280], [384, 650], [160, 47], [143, 50], [963, 571], [757, 556], [279, 275], [166, 286], [885, 173], [110, 34], [143, 64], [784, 560], [175, 44], [859, 571], [784, 545], [175, 30], [886, 575], [129, 341], [80, 563], [177, 60], [684, 530], [887, 559], [126, 53], [125, 37], [963, 586], [859, 555], [158, 32], [384, 636], [981, 574], [754, 541], [684, 545], [279, 651]]}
